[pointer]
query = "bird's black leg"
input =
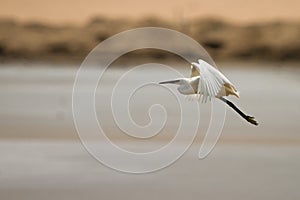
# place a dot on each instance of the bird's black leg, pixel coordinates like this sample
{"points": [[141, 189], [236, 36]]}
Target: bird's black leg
{"points": [[246, 117]]}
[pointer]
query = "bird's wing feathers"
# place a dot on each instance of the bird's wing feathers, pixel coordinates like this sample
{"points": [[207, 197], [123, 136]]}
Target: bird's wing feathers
{"points": [[211, 80]]}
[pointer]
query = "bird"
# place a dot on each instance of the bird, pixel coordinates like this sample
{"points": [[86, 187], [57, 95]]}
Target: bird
{"points": [[207, 82]]}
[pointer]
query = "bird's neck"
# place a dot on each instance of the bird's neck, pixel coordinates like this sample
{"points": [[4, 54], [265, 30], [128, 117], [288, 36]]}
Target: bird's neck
{"points": [[189, 86]]}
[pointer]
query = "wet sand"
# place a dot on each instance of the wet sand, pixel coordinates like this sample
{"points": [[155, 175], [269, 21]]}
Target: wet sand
{"points": [[41, 156]]}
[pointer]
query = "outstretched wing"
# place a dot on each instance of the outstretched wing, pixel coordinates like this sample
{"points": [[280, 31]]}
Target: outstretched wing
{"points": [[212, 82]]}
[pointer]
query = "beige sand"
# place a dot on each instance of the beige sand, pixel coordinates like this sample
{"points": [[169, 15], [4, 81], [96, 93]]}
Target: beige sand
{"points": [[79, 11]]}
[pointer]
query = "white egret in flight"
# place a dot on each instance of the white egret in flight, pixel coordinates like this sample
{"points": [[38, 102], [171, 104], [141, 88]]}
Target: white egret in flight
{"points": [[207, 82]]}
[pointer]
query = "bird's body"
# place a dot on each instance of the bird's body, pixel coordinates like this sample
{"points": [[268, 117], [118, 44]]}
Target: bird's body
{"points": [[188, 86], [207, 82]]}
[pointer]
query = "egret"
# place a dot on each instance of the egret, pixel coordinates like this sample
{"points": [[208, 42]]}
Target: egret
{"points": [[207, 82]]}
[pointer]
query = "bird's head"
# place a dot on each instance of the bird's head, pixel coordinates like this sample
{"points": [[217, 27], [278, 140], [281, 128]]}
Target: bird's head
{"points": [[184, 85]]}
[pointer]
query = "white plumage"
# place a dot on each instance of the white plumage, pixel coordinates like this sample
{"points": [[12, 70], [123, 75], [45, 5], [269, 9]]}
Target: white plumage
{"points": [[208, 82], [205, 81], [212, 83]]}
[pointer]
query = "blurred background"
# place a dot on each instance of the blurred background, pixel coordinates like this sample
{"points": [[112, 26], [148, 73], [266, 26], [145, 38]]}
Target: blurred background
{"points": [[254, 43]]}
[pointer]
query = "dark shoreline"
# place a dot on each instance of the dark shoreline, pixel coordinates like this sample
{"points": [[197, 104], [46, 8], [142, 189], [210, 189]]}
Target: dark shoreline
{"points": [[27, 42]]}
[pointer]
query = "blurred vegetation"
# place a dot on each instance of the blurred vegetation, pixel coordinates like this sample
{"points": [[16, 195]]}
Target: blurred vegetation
{"points": [[36, 41]]}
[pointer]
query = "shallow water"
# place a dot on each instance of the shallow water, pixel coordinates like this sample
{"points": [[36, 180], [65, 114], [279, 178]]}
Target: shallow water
{"points": [[36, 102], [64, 170], [248, 162]]}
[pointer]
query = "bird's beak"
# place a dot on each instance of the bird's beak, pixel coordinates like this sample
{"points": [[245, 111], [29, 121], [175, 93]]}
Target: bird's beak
{"points": [[171, 82]]}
